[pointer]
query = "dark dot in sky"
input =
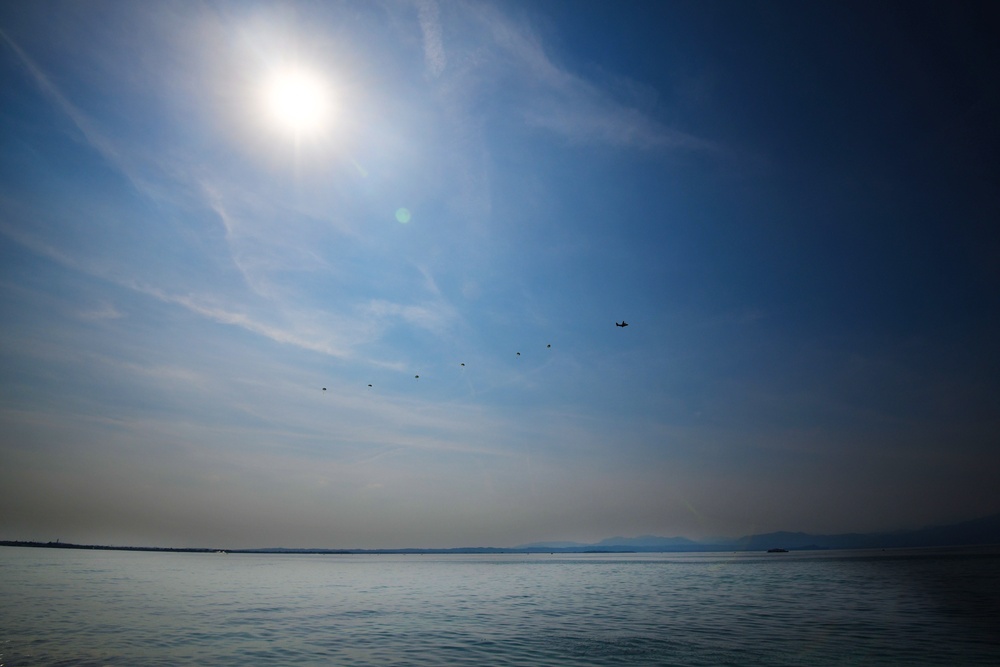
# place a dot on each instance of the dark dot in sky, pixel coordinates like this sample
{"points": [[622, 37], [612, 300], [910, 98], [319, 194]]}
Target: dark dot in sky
{"points": [[463, 364], [549, 345], [324, 388], [417, 376]]}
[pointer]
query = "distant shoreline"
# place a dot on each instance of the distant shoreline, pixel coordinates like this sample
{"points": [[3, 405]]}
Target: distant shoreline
{"points": [[280, 550], [978, 532], [705, 549]]}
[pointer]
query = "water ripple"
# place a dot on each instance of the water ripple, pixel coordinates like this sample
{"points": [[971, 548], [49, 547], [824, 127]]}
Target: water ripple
{"points": [[108, 608]]}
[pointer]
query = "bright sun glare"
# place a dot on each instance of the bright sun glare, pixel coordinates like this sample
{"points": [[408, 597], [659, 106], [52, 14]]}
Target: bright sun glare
{"points": [[297, 101]]}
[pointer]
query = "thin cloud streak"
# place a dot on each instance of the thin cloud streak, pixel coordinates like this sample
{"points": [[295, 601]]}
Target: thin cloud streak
{"points": [[365, 321], [199, 305], [93, 136], [430, 26], [565, 103]]}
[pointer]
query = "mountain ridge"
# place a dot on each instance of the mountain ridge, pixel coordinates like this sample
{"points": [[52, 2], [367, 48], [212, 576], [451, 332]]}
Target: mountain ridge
{"points": [[975, 532]]}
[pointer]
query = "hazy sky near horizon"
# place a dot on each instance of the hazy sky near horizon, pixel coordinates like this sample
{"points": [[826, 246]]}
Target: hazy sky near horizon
{"points": [[795, 206]]}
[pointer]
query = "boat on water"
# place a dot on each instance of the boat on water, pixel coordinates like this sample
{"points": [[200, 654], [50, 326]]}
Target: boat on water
{"points": [[777, 550]]}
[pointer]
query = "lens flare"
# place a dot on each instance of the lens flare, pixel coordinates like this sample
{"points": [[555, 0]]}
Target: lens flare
{"points": [[403, 215]]}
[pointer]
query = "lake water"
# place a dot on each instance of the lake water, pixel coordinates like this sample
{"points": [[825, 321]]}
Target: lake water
{"points": [[921, 607]]}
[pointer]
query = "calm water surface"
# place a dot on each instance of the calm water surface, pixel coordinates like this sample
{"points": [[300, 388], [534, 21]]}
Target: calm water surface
{"points": [[924, 607]]}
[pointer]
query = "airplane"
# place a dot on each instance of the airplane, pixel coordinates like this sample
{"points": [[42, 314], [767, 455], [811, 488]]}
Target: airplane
{"points": [[623, 324]]}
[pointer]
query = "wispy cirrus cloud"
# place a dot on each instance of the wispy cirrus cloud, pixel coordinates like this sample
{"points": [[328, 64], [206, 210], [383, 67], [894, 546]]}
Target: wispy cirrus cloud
{"points": [[331, 333], [435, 316], [496, 49], [583, 111], [430, 26], [204, 306], [257, 246], [90, 132], [87, 129], [103, 311]]}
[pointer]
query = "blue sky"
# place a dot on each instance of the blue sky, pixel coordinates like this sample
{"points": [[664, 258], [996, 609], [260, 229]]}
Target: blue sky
{"points": [[794, 207]]}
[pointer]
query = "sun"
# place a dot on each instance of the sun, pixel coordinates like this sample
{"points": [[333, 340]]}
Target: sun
{"points": [[297, 101]]}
